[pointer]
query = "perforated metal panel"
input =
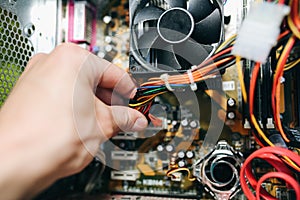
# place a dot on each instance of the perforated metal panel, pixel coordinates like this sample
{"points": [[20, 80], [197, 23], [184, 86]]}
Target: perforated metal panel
{"points": [[26, 27], [15, 51]]}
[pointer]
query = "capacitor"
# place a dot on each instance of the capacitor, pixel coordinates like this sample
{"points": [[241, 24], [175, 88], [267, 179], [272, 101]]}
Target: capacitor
{"points": [[169, 148], [181, 163], [231, 102], [194, 124], [181, 154], [189, 154], [174, 122], [231, 115], [159, 148], [184, 122]]}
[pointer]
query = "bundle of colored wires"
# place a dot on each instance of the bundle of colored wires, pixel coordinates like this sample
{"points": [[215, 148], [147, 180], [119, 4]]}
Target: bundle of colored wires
{"points": [[146, 93], [271, 155], [254, 121], [286, 41]]}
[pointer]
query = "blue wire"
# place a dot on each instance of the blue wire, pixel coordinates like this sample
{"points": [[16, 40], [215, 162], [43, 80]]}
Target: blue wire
{"points": [[158, 86]]}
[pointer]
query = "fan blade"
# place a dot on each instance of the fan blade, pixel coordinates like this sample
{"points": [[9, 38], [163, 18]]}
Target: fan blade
{"points": [[200, 9], [208, 30], [146, 41], [191, 51], [166, 58], [177, 3], [148, 13]]}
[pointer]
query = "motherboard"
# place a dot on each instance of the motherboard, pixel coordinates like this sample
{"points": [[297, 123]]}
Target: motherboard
{"points": [[223, 118]]}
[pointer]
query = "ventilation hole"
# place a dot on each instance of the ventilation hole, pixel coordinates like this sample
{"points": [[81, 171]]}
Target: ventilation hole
{"points": [[14, 51]]}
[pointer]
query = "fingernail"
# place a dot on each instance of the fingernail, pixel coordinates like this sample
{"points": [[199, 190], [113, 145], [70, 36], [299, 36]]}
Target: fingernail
{"points": [[140, 124]]}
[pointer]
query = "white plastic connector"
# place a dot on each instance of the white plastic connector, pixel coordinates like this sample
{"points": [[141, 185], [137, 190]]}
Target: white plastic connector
{"points": [[193, 84], [259, 31], [165, 78]]}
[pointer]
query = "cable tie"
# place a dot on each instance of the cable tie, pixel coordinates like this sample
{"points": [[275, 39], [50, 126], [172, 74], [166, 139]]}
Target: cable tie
{"points": [[190, 74], [165, 78]]}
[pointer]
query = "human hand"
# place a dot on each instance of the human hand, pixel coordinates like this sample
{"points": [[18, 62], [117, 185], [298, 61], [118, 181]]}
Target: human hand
{"points": [[52, 123]]}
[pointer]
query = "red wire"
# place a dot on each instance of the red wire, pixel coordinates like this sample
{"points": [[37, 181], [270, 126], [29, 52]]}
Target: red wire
{"points": [[276, 83], [276, 162], [251, 96], [269, 154], [279, 2], [287, 178], [214, 57]]}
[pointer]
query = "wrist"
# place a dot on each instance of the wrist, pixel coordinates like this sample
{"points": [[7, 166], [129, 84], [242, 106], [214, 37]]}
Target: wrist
{"points": [[25, 170]]}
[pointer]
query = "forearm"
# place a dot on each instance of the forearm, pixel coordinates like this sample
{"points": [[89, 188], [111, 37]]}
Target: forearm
{"points": [[19, 182], [25, 167]]}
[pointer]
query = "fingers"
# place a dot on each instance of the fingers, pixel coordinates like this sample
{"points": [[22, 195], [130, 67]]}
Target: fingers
{"points": [[110, 76], [128, 119], [109, 97], [116, 78], [112, 119]]}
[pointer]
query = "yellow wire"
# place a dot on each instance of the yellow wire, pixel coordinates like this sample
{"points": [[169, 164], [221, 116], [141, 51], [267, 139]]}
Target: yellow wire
{"points": [[262, 134], [225, 43], [240, 75], [293, 27], [182, 169], [146, 101], [291, 65]]}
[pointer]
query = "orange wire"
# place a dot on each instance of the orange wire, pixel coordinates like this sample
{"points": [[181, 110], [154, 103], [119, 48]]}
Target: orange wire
{"points": [[198, 75], [276, 86]]}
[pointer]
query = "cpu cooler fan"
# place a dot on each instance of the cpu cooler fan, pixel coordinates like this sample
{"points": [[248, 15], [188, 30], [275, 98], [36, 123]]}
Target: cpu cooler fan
{"points": [[173, 35]]}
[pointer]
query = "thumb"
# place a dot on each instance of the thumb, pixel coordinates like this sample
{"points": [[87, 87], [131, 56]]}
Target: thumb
{"points": [[128, 119]]}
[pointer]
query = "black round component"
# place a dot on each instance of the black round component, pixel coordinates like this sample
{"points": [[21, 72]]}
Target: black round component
{"points": [[181, 163], [231, 102], [184, 122], [175, 25], [170, 148], [160, 148], [231, 115], [194, 124], [222, 172], [181, 154], [190, 154]]}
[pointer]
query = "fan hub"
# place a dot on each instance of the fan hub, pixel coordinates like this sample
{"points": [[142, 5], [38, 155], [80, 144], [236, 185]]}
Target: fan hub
{"points": [[175, 25]]}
